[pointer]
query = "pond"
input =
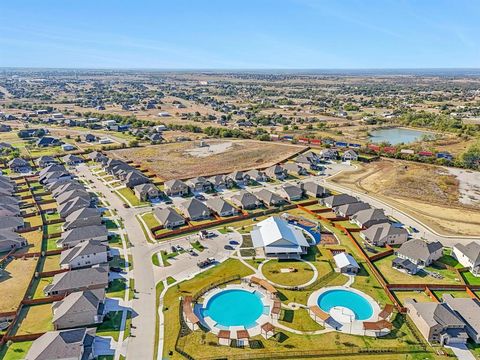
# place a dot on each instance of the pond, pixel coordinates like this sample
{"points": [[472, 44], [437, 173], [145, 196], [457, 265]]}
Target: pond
{"points": [[396, 136]]}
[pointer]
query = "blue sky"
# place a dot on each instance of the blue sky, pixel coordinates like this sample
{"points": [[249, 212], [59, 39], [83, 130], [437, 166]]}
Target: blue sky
{"points": [[255, 34]]}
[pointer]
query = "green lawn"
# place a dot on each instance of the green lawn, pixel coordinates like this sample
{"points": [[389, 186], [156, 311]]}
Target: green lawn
{"points": [[471, 279], [420, 296], [155, 260], [35, 319], [110, 224], [40, 285], [150, 220], [130, 196], [54, 229], [52, 244], [16, 351], [116, 288], [111, 325], [299, 319], [197, 246], [301, 273]]}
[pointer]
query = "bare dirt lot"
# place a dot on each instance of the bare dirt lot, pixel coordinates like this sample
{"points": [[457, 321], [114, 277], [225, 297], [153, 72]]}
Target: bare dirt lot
{"points": [[430, 193], [182, 160]]}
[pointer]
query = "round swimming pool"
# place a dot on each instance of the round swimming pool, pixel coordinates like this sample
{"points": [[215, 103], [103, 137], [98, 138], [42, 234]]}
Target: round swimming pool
{"points": [[234, 307], [356, 303]]}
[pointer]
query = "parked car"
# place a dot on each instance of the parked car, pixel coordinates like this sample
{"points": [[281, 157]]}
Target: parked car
{"points": [[115, 269], [200, 197]]}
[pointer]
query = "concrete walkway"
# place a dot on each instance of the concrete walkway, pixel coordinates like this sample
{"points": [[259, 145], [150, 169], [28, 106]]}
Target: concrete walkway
{"points": [[461, 352]]}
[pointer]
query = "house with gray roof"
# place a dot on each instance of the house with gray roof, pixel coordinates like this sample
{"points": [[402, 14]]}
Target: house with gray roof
{"points": [[10, 240], [54, 176], [294, 169], [96, 156], [347, 210], [11, 223], [77, 235], [81, 308], [63, 187], [328, 154], [55, 167], [93, 278], [169, 218], [175, 188], [383, 234], [81, 218], [245, 200], [269, 198], [437, 323], [71, 159], [469, 256], [74, 344], [221, 181], [147, 191], [72, 194], [72, 205], [338, 200], [240, 177], [419, 252], [44, 161], [276, 172], [135, 178], [256, 175], [19, 165], [194, 209], [313, 189], [221, 207], [9, 210], [468, 310], [86, 253], [368, 217], [291, 192], [199, 184]]}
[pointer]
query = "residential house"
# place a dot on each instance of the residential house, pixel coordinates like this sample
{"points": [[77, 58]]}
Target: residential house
{"points": [[221, 181], [81, 218], [68, 147], [347, 210], [245, 200], [437, 323], [96, 156], [199, 184], [145, 192], [72, 159], [73, 194], [328, 154], [255, 175], [294, 169], [276, 172], [82, 308], [175, 188], [338, 200], [11, 223], [93, 278], [221, 207], [10, 240], [83, 254], [90, 138], [135, 178], [169, 218], [279, 239], [313, 189], [405, 265], [384, 234], [420, 252], [19, 165], [269, 198], [72, 205], [291, 192], [44, 161], [468, 310], [77, 235], [350, 155], [195, 210], [74, 344], [48, 141], [346, 263], [368, 217], [469, 256]]}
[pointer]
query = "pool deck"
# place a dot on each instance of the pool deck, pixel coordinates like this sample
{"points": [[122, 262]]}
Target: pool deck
{"points": [[342, 316], [253, 330]]}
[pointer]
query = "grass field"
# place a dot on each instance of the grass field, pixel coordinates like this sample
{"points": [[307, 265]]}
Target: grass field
{"points": [[111, 325], [172, 161], [16, 351], [150, 220], [130, 196], [35, 319], [52, 262], [15, 280], [39, 286], [301, 273]]}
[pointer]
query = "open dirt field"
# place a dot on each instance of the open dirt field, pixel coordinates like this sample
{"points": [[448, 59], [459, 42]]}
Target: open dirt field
{"points": [[184, 160], [430, 193], [14, 282]]}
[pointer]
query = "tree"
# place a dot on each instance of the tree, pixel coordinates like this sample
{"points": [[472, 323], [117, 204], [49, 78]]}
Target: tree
{"points": [[471, 157]]}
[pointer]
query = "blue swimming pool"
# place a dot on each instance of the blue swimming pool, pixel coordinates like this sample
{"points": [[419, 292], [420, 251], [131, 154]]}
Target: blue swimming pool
{"points": [[348, 299], [234, 307]]}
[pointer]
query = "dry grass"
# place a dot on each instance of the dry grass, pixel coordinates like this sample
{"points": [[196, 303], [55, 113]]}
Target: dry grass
{"points": [[171, 161], [426, 192], [14, 282]]}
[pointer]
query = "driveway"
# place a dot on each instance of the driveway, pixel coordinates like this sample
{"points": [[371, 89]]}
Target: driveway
{"points": [[461, 352]]}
